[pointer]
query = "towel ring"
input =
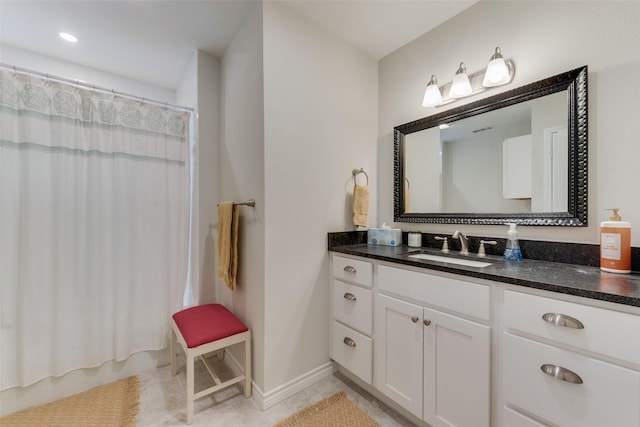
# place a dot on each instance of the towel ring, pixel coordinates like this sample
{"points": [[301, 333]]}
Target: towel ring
{"points": [[356, 172]]}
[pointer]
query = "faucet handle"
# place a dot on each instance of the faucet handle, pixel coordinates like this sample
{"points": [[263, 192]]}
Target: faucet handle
{"points": [[445, 243], [481, 252]]}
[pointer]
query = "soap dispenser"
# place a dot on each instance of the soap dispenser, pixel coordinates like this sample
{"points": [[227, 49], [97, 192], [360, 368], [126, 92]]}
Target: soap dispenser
{"points": [[615, 244], [512, 250]]}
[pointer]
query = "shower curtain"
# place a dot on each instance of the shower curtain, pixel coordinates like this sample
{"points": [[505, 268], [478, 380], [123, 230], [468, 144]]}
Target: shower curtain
{"points": [[94, 226]]}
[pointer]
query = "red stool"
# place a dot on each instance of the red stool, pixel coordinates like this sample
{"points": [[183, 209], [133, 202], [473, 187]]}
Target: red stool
{"points": [[203, 329]]}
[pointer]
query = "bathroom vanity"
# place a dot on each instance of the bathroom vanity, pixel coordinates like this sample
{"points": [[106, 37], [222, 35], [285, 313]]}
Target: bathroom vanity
{"points": [[530, 343]]}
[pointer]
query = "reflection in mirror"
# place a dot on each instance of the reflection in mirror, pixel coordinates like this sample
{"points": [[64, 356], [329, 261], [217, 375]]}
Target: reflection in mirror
{"points": [[518, 157], [508, 160]]}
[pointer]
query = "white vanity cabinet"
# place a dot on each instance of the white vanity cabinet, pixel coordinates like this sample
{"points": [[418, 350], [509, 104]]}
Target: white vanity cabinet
{"points": [[352, 315], [568, 364], [429, 355], [459, 351]]}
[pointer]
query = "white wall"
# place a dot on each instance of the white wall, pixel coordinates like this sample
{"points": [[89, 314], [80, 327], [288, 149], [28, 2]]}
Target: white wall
{"points": [[209, 114], [298, 114], [320, 98], [241, 176], [475, 177], [21, 58], [543, 39]]}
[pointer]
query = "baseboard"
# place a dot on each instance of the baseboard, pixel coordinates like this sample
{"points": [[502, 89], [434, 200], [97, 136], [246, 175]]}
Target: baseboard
{"points": [[272, 398], [267, 400]]}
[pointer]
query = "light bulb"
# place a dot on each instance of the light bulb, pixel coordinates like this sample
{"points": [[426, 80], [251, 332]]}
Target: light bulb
{"points": [[460, 87], [432, 95], [497, 71]]}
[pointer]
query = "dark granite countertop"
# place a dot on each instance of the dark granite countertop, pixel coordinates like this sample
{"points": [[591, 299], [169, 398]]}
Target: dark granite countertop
{"points": [[580, 280]]}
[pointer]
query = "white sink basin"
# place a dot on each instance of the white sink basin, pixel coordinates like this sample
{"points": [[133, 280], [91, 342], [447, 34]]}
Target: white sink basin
{"points": [[459, 261]]}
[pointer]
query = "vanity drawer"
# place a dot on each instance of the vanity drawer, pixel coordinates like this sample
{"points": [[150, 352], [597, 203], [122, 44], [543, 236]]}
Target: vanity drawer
{"points": [[607, 396], [471, 299], [513, 418], [353, 270], [353, 350], [353, 305], [603, 331]]}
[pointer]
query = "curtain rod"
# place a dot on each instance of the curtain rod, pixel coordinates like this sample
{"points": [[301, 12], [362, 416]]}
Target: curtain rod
{"points": [[94, 87]]}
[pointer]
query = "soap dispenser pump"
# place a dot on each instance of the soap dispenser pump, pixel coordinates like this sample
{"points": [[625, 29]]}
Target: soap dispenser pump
{"points": [[512, 250]]}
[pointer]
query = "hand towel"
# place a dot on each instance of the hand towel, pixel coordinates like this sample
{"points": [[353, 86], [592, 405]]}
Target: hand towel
{"points": [[228, 243], [360, 205], [407, 205]]}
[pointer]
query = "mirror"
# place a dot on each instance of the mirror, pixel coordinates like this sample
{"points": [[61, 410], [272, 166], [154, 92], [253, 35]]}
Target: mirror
{"points": [[520, 156]]}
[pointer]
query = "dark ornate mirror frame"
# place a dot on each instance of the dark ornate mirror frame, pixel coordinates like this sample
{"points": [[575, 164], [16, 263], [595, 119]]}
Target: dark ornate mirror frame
{"points": [[575, 82]]}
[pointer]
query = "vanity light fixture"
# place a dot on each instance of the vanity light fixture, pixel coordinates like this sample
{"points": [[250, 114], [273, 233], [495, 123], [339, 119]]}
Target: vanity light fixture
{"points": [[460, 87], [432, 95], [498, 72]]}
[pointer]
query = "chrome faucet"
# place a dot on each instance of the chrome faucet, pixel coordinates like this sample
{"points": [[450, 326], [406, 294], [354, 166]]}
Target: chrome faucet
{"points": [[464, 242]]}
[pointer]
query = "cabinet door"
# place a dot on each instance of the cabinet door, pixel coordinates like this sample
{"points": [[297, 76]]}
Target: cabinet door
{"points": [[457, 385], [398, 352]]}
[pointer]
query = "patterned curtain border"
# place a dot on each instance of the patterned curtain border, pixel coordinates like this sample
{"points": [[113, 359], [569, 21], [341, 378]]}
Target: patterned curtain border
{"points": [[24, 95]]}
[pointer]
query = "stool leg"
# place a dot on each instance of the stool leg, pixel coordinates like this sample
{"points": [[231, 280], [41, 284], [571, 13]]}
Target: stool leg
{"points": [[174, 368], [190, 387], [247, 366]]}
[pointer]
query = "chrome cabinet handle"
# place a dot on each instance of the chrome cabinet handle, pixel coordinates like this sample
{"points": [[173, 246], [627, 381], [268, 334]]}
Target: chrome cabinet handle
{"points": [[560, 373], [349, 296], [348, 341], [559, 319], [414, 319], [349, 269], [427, 322]]}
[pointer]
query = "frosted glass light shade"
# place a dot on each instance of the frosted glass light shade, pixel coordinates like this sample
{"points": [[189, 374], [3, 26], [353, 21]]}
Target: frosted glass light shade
{"points": [[432, 95], [497, 72], [460, 87]]}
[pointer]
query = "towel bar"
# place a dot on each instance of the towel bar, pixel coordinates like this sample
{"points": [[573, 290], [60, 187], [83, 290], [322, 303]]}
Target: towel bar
{"points": [[250, 202]]}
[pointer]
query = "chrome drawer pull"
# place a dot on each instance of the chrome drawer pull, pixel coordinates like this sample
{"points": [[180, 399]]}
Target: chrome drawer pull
{"points": [[560, 373], [559, 319], [427, 322], [349, 269], [348, 341], [414, 319], [349, 296]]}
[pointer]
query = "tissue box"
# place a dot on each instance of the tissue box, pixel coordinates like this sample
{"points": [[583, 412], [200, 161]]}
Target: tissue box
{"points": [[384, 236]]}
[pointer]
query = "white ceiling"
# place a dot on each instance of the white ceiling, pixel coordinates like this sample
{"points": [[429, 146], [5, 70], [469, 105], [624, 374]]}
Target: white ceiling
{"points": [[154, 40]]}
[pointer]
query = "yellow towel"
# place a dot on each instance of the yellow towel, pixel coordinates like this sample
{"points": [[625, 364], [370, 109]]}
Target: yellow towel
{"points": [[228, 243], [360, 205], [407, 205]]}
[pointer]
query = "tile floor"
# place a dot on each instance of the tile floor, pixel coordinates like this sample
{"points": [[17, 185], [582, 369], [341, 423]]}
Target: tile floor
{"points": [[162, 401]]}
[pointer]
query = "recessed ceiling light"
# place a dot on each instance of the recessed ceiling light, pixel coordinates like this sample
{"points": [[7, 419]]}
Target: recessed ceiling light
{"points": [[68, 37]]}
